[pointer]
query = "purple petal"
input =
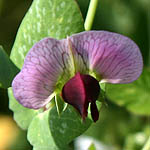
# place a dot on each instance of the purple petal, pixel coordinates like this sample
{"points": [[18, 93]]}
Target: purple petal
{"points": [[94, 111], [74, 93], [79, 91], [116, 58], [44, 64]]}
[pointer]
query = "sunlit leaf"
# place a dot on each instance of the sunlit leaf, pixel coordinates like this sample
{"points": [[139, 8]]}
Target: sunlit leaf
{"points": [[39, 133], [23, 116]]}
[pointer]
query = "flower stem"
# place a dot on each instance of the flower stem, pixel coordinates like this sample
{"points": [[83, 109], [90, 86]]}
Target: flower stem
{"points": [[90, 14], [149, 36]]}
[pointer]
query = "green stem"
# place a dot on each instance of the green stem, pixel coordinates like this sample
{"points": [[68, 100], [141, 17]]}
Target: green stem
{"points": [[147, 145], [149, 36], [90, 14]]}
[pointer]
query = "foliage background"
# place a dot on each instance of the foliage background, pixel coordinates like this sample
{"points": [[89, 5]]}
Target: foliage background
{"points": [[119, 127]]}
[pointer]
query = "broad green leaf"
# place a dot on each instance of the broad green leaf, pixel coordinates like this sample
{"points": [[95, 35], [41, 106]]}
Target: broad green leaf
{"points": [[46, 18], [39, 133], [134, 96], [23, 116], [66, 126], [7, 69]]}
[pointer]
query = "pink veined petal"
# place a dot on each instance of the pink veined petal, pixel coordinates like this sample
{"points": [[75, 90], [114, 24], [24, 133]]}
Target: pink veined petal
{"points": [[116, 58], [44, 64]]}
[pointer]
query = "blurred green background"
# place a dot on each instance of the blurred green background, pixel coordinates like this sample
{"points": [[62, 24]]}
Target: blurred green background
{"points": [[118, 127]]}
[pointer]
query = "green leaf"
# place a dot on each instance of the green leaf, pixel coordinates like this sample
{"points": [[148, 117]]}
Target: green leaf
{"points": [[23, 116], [134, 96], [66, 126], [7, 70], [39, 133], [46, 18]]}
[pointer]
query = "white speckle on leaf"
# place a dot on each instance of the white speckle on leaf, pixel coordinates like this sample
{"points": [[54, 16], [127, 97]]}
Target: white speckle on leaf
{"points": [[40, 116], [50, 2], [24, 34], [64, 125], [38, 27], [62, 131], [58, 34], [52, 27], [38, 15], [42, 141], [29, 39], [24, 48], [67, 29], [30, 11], [62, 5], [28, 27], [37, 8], [69, 110], [60, 20], [15, 59], [34, 41], [53, 15], [34, 28], [21, 52], [38, 1], [69, 20], [44, 11], [49, 32], [57, 8]]}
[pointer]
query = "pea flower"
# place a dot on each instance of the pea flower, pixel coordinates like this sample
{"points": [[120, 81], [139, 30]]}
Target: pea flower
{"points": [[73, 68]]}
